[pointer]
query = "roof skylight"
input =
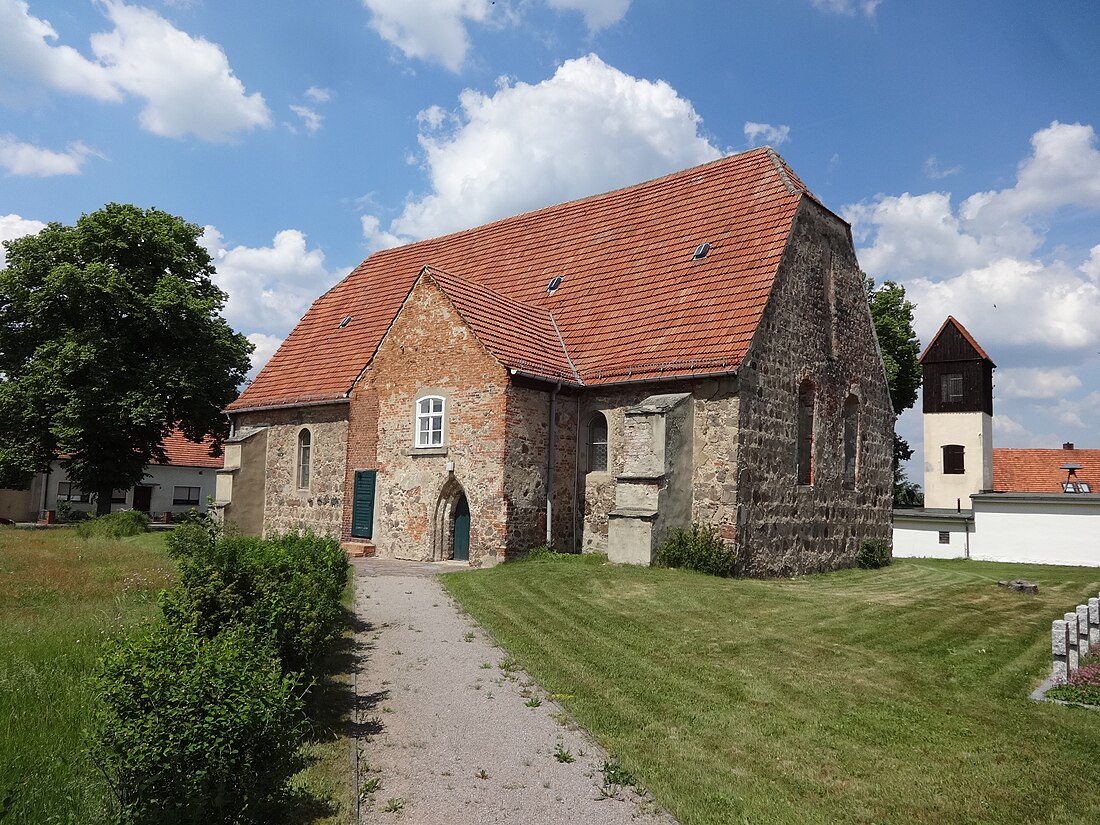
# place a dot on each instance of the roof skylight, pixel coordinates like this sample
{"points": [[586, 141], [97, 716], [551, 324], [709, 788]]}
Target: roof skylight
{"points": [[701, 251]]}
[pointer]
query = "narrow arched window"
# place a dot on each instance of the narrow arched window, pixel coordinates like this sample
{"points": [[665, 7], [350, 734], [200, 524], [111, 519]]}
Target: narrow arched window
{"points": [[805, 447], [851, 441], [305, 439], [429, 421], [597, 444]]}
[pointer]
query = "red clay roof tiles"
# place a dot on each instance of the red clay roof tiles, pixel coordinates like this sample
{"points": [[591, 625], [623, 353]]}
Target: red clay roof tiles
{"points": [[1039, 471], [632, 303], [184, 453]]}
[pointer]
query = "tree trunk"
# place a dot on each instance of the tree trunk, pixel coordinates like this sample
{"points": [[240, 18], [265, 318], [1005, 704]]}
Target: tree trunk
{"points": [[103, 502]]}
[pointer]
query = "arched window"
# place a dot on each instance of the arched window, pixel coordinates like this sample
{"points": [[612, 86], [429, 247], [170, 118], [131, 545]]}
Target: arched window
{"points": [[429, 421], [597, 444], [851, 441], [305, 439], [805, 446]]}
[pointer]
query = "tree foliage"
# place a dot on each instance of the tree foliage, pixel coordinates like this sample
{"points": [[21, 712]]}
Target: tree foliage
{"points": [[892, 314], [110, 336]]}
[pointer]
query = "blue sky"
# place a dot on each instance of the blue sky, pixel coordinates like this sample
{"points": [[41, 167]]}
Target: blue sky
{"points": [[959, 139]]}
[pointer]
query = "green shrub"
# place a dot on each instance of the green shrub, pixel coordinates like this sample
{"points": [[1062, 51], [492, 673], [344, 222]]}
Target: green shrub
{"points": [[697, 548], [287, 587], [873, 555], [197, 730], [115, 525]]}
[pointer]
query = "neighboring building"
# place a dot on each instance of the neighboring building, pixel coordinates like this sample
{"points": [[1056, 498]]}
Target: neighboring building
{"points": [[1017, 505], [697, 348], [183, 483]]}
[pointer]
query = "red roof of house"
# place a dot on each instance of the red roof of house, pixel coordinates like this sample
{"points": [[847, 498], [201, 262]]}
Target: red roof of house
{"points": [[184, 453], [953, 321], [1040, 471], [632, 301]]}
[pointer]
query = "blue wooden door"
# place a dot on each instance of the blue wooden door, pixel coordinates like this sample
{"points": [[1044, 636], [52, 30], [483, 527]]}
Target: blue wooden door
{"points": [[462, 530], [362, 506]]}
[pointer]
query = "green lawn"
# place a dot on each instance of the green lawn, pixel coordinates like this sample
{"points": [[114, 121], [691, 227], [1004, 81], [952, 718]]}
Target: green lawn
{"points": [[889, 696]]}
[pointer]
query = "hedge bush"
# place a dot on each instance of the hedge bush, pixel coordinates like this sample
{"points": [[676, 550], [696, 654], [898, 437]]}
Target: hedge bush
{"points": [[115, 525], [697, 548], [197, 730], [873, 555], [287, 587]]}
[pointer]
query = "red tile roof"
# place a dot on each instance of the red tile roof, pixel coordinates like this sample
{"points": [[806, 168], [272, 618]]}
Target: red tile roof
{"points": [[184, 453], [1039, 471], [963, 332], [632, 303]]}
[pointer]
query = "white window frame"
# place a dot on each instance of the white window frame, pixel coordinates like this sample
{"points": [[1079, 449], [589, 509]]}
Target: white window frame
{"points": [[425, 437], [302, 479]]}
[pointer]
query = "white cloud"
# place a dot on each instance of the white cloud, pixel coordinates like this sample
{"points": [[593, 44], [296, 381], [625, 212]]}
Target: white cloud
{"points": [[15, 226], [269, 287], [376, 237], [186, 82], [598, 14], [310, 119], [589, 128], [432, 30], [265, 347], [1036, 383], [760, 133], [1091, 267], [847, 6], [26, 50], [933, 169], [34, 161], [318, 94]]}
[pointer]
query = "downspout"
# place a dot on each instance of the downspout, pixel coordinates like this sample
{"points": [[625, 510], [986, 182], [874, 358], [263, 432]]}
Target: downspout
{"points": [[550, 465]]}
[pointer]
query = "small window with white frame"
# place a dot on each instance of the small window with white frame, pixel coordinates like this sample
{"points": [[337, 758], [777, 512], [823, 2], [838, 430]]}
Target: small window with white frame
{"points": [[429, 421], [67, 491], [186, 496]]}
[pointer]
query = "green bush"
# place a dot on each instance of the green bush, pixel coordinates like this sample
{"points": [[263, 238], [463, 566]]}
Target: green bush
{"points": [[873, 555], [197, 730], [697, 548], [288, 588], [115, 525]]}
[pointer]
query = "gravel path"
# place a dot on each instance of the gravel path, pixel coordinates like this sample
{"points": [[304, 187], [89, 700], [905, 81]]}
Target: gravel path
{"points": [[446, 729]]}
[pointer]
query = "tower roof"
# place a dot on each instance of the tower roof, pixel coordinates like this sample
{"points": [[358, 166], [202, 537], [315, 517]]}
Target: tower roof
{"points": [[951, 347]]}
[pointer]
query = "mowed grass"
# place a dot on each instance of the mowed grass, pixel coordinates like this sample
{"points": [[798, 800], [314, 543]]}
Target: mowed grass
{"points": [[890, 696], [61, 597]]}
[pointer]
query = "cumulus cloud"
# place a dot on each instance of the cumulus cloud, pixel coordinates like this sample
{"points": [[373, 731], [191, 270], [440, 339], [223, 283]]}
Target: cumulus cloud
{"points": [[761, 133], [15, 226], [318, 94], [587, 129], [848, 7], [269, 287], [265, 346], [376, 238], [310, 119], [186, 82], [28, 160], [431, 30], [598, 14], [1036, 383], [934, 170]]}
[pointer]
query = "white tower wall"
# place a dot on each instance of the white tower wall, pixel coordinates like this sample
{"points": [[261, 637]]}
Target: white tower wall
{"points": [[974, 431]]}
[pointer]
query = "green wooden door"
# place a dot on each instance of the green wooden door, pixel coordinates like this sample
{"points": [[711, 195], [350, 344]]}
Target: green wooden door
{"points": [[362, 507], [462, 530]]}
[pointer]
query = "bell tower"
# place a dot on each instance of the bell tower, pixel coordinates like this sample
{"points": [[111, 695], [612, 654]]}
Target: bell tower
{"points": [[958, 418]]}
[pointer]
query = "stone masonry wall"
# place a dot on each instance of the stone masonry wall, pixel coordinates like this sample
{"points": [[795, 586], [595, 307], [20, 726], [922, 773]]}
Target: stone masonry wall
{"points": [[320, 506], [816, 326], [429, 350], [714, 483]]}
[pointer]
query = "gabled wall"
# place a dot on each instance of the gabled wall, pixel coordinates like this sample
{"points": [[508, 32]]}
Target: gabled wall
{"points": [[817, 326]]}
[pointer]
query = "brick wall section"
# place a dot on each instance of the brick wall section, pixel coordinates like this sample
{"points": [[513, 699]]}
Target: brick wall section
{"points": [[362, 448], [430, 348], [320, 506], [784, 529]]}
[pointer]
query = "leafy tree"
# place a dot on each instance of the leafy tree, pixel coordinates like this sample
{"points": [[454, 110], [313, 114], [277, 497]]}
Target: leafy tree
{"points": [[110, 336], [892, 314]]}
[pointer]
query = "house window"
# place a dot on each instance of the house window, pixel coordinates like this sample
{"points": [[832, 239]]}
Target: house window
{"points": [[305, 448], [597, 444], [806, 433], [951, 387], [118, 497], [186, 496], [429, 421], [945, 537], [953, 462], [67, 491], [851, 441]]}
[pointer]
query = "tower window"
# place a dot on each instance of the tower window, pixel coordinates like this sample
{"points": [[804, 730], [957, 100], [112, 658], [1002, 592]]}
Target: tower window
{"points": [[953, 459], [951, 387]]}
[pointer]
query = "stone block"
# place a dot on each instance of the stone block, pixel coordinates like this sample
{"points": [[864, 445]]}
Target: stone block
{"points": [[1083, 630], [1059, 649], [1094, 623]]}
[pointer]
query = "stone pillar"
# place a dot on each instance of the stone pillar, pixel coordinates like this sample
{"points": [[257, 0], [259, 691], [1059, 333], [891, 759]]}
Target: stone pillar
{"points": [[1094, 623], [1071, 643], [1083, 630], [1058, 650]]}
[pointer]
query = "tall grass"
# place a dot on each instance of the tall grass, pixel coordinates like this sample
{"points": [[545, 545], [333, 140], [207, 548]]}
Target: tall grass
{"points": [[866, 696]]}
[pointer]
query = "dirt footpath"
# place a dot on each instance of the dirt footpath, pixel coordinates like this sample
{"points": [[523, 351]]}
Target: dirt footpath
{"points": [[452, 732]]}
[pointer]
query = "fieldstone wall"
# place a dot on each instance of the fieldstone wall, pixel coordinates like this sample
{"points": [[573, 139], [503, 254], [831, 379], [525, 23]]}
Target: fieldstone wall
{"points": [[816, 326], [319, 507], [429, 350], [714, 483]]}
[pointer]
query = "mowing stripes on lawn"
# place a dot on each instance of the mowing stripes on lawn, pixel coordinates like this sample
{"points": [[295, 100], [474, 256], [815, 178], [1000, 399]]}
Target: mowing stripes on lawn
{"points": [[886, 696]]}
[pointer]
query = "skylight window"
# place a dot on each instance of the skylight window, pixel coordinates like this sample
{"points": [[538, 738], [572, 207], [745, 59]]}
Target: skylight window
{"points": [[552, 287], [345, 322], [701, 251]]}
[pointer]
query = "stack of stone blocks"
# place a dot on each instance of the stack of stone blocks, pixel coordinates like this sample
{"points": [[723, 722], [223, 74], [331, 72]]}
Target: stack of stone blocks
{"points": [[1072, 637]]}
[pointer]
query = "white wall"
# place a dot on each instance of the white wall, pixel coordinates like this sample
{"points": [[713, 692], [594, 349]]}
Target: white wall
{"points": [[974, 431], [1053, 529], [916, 537], [163, 480]]}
